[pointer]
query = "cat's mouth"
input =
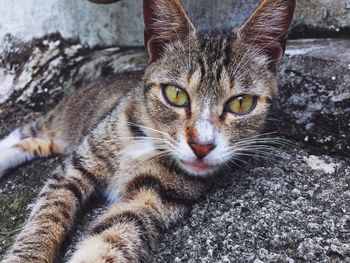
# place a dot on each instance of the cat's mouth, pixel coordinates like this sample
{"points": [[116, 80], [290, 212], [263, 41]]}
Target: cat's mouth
{"points": [[198, 167]]}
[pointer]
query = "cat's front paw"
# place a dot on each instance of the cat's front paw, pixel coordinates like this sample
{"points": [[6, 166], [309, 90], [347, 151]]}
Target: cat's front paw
{"points": [[95, 250]]}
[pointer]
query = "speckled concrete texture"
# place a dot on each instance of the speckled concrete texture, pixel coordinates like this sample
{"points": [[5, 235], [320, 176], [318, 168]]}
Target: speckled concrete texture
{"points": [[285, 210]]}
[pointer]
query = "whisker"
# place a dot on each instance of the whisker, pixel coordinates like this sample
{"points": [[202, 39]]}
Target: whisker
{"points": [[149, 128], [264, 142], [156, 141]]}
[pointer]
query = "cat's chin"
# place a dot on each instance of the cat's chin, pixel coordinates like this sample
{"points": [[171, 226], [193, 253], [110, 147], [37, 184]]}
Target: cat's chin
{"points": [[198, 168]]}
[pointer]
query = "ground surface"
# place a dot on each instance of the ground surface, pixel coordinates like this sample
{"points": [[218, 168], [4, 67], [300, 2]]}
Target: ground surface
{"points": [[292, 210]]}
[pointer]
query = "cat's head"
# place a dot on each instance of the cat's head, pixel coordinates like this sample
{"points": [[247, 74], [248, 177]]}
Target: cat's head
{"points": [[208, 93]]}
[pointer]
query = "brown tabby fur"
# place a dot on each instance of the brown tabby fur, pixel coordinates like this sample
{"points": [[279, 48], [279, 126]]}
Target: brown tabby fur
{"points": [[106, 130]]}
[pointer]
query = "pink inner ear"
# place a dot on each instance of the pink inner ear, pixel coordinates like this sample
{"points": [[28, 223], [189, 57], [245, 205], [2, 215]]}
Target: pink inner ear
{"points": [[165, 22]]}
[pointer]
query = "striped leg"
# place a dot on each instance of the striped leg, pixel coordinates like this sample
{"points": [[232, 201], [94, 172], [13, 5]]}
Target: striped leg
{"points": [[128, 232], [52, 217]]}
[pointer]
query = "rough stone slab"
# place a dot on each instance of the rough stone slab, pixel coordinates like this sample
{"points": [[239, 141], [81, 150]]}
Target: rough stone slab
{"points": [[314, 101], [295, 210]]}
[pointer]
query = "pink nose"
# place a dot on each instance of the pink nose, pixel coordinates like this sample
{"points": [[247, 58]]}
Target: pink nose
{"points": [[201, 150]]}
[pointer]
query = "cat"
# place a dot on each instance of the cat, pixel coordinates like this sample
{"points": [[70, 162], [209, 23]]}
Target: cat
{"points": [[151, 141]]}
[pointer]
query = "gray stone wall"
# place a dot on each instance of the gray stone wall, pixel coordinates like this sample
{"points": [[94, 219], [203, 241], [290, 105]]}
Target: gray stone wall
{"points": [[333, 15], [121, 23]]}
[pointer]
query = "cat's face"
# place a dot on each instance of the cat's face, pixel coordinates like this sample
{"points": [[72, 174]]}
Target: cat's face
{"points": [[209, 94]]}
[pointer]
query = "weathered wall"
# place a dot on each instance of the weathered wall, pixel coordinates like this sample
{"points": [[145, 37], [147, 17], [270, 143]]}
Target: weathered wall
{"points": [[121, 23], [79, 19], [116, 24], [331, 16]]}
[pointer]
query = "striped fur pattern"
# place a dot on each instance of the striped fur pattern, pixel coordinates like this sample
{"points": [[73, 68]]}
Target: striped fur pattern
{"points": [[122, 138]]}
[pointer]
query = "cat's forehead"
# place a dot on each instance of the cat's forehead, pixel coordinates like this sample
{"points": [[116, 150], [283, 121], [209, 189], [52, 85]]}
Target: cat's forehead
{"points": [[224, 65], [213, 64], [214, 53], [216, 44]]}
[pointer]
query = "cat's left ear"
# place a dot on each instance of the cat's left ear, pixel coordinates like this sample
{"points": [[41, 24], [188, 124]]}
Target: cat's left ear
{"points": [[165, 22], [267, 29]]}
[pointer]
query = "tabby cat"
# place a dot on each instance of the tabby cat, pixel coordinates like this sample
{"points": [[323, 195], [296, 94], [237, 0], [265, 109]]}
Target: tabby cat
{"points": [[151, 141]]}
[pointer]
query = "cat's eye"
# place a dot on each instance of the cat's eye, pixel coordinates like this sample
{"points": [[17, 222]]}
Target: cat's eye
{"points": [[242, 104], [176, 96]]}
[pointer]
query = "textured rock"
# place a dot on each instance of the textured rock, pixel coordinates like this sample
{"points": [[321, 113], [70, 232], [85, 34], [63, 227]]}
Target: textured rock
{"points": [[314, 104], [279, 211]]}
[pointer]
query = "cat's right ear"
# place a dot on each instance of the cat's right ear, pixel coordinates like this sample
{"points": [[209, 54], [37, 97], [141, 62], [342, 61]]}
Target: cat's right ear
{"points": [[165, 22], [267, 29]]}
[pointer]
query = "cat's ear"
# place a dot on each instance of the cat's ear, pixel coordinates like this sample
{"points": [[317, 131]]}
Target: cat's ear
{"points": [[267, 29], [165, 22]]}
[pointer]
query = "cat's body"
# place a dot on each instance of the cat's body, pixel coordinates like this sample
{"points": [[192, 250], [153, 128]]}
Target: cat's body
{"points": [[151, 142]]}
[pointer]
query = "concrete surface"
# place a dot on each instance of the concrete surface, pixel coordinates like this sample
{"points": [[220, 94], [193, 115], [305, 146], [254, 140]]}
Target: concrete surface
{"points": [[295, 209]]}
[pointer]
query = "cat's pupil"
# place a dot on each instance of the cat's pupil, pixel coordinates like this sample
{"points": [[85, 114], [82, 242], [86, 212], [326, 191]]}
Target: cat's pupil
{"points": [[177, 93], [240, 99]]}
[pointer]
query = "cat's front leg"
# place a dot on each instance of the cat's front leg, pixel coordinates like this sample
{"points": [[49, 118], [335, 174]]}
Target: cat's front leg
{"points": [[128, 232], [52, 216]]}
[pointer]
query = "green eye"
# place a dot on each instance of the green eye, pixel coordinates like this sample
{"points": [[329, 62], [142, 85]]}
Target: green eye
{"points": [[175, 96], [242, 104]]}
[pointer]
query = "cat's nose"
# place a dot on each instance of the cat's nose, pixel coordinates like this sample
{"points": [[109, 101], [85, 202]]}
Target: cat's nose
{"points": [[201, 150]]}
